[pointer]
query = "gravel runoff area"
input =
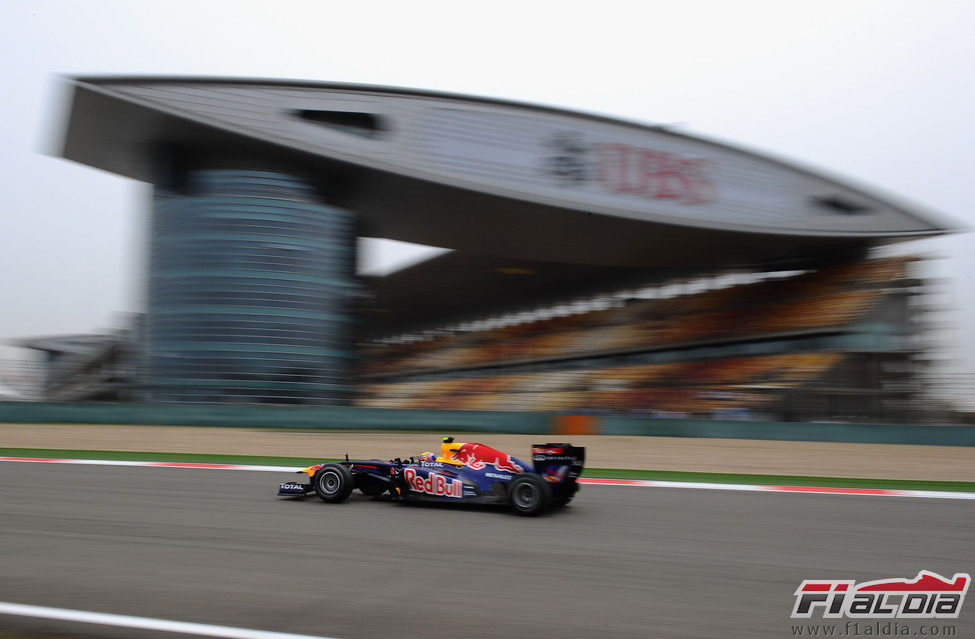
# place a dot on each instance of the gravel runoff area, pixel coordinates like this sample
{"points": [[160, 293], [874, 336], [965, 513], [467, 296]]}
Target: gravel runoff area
{"points": [[822, 459]]}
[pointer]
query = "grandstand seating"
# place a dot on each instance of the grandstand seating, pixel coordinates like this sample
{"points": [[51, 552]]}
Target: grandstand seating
{"points": [[831, 297], [689, 387], [823, 298]]}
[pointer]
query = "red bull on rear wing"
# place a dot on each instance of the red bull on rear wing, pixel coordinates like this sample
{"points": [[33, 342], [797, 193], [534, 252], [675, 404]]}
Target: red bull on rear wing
{"points": [[549, 460], [477, 456]]}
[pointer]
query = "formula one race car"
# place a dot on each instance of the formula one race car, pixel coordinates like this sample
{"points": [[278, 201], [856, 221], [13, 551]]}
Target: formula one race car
{"points": [[472, 473]]}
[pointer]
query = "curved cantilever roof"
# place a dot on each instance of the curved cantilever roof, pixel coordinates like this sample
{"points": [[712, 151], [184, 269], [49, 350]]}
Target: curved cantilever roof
{"points": [[494, 177]]}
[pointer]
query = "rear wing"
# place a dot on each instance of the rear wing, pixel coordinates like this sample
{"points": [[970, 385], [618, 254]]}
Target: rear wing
{"points": [[558, 463]]}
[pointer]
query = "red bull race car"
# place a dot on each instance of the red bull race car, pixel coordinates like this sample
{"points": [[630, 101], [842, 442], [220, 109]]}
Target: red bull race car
{"points": [[462, 472]]}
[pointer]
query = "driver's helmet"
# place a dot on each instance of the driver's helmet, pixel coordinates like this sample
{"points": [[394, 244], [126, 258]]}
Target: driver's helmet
{"points": [[427, 457]]}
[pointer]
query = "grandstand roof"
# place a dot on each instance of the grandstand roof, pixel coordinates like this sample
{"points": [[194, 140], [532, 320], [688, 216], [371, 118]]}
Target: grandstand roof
{"points": [[455, 287], [74, 343], [492, 177]]}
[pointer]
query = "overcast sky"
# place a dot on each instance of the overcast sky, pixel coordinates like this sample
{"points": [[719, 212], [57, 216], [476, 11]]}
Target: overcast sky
{"points": [[880, 92]]}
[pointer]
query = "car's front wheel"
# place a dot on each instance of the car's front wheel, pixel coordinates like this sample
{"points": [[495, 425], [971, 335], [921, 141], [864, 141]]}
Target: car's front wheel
{"points": [[334, 483], [528, 494]]}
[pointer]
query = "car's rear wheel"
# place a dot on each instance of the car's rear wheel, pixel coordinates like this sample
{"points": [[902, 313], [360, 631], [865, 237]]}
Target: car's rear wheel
{"points": [[528, 494], [334, 483], [568, 491]]}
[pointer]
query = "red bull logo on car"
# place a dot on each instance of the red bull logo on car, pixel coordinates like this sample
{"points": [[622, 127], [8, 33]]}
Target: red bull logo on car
{"points": [[555, 475], [477, 456], [433, 484]]}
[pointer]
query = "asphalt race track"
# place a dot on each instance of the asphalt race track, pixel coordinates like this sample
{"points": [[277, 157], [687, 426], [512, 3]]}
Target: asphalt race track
{"points": [[218, 547]]}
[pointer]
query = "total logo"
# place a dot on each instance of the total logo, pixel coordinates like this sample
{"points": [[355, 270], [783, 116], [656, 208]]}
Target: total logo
{"points": [[434, 484], [927, 596]]}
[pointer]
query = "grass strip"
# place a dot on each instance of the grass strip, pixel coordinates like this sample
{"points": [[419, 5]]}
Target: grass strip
{"points": [[600, 473]]}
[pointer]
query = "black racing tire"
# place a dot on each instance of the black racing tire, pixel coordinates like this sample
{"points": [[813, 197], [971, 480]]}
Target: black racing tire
{"points": [[369, 486], [333, 483], [528, 495], [567, 493]]}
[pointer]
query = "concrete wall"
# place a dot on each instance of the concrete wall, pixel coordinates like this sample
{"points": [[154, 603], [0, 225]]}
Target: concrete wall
{"points": [[946, 435], [347, 418], [255, 416]]}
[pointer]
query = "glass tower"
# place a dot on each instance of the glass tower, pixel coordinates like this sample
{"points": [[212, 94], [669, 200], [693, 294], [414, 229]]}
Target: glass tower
{"points": [[250, 286]]}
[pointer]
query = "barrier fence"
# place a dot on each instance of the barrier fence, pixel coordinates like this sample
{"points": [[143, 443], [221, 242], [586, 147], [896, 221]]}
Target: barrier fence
{"points": [[446, 421]]}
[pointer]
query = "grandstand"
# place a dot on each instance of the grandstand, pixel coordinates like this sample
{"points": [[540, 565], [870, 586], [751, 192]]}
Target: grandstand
{"points": [[79, 368], [594, 265], [20, 380], [833, 343]]}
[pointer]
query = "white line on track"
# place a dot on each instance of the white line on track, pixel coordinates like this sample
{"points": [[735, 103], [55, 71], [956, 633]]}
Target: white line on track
{"points": [[145, 623], [647, 483], [152, 464]]}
